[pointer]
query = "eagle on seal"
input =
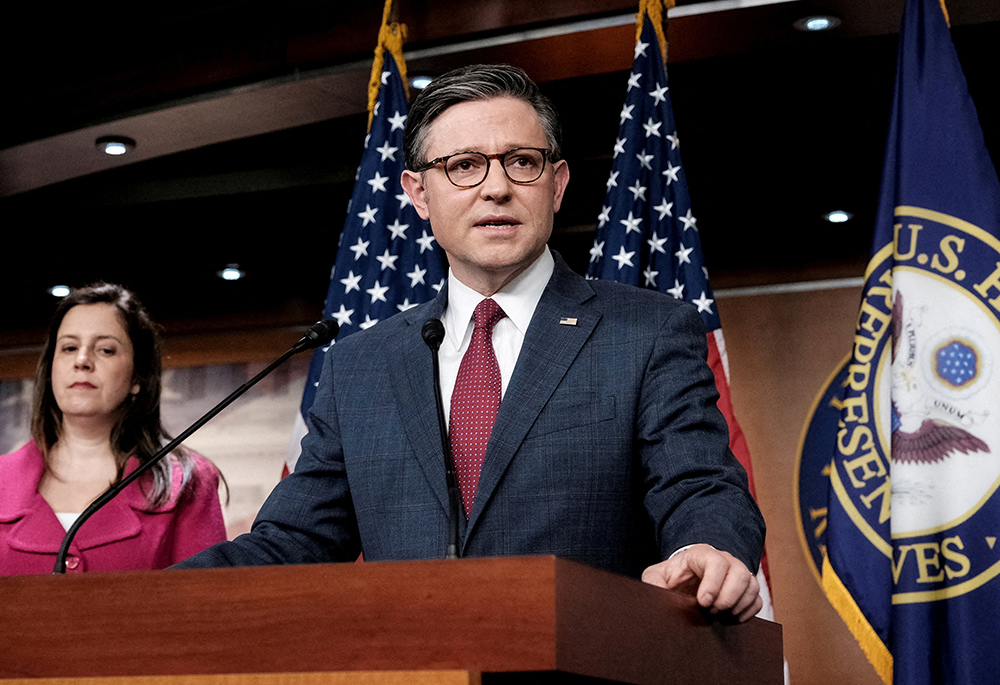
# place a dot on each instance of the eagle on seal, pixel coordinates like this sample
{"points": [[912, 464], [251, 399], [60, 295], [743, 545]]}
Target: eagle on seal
{"points": [[934, 439]]}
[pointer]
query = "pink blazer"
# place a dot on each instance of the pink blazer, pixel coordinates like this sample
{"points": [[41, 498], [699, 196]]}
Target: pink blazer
{"points": [[127, 534]]}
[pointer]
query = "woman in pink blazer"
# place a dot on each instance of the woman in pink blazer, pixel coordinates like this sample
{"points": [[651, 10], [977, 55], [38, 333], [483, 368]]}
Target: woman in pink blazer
{"points": [[96, 418]]}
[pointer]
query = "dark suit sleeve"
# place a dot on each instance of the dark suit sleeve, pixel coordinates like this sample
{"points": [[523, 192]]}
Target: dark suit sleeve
{"points": [[309, 516], [696, 489]]}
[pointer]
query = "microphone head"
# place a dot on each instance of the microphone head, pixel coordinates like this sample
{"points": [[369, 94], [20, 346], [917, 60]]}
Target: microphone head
{"points": [[320, 333], [433, 333]]}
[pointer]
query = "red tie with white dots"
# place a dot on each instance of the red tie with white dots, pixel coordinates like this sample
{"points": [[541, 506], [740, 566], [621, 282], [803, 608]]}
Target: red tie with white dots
{"points": [[475, 401]]}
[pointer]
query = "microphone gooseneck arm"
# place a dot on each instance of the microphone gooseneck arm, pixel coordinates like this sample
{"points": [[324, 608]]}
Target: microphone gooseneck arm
{"points": [[433, 334], [318, 334]]}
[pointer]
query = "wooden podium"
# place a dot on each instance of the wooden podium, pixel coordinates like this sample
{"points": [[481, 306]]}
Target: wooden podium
{"points": [[517, 620]]}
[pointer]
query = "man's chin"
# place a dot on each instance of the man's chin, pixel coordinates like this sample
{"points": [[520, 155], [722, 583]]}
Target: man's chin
{"points": [[491, 274]]}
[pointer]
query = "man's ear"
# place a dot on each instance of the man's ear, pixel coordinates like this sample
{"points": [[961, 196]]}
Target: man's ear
{"points": [[413, 185], [561, 180]]}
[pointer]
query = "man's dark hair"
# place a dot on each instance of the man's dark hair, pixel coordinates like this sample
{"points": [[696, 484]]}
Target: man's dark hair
{"points": [[467, 84]]}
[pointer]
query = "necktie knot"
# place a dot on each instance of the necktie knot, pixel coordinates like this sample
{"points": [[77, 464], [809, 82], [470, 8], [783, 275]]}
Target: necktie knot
{"points": [[487, 313]]}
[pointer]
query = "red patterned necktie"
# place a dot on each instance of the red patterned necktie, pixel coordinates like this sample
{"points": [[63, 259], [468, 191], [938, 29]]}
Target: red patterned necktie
{"points": [[475, 401]]}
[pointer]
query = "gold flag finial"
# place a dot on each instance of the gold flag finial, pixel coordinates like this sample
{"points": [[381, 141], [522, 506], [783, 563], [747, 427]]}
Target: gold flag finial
{"points": [[656, 11], [391, 36]]}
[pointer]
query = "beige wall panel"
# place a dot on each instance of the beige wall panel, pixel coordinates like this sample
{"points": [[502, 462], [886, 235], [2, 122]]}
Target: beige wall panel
{"points": [[782, 348]]}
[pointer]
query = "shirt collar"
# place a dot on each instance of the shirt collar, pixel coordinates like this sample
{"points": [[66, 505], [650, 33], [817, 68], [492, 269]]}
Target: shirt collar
{"points": [[518, 298]]}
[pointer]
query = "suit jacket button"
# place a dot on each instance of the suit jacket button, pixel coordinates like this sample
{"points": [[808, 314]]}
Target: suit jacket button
{"points": [[72, 563]]}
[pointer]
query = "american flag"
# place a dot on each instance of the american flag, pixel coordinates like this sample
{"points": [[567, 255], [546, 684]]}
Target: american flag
{"points": [[647, 234], [387, 260]]}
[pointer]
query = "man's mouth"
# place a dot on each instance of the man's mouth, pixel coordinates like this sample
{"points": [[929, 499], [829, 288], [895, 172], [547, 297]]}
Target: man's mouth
{"points": [[498, 222]]}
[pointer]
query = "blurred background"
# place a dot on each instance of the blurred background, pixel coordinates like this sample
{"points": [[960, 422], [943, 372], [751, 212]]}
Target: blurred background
{"points": [[249, 121]]}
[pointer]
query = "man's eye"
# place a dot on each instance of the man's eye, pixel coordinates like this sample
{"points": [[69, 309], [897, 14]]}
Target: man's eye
{"points": [[462, 165], [522, 161]]}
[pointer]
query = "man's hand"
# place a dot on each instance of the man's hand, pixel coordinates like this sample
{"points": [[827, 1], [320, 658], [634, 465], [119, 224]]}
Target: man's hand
{"points": [[720, 582]]}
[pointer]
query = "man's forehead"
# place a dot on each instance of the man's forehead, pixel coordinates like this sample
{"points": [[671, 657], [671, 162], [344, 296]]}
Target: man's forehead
{"points": [[491, 125]]}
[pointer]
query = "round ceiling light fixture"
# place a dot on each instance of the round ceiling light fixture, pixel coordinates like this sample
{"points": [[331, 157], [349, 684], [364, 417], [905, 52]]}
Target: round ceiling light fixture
{"points": [[420, 82], [232, 272], [838, 216], [115, 146], [816, 23]]}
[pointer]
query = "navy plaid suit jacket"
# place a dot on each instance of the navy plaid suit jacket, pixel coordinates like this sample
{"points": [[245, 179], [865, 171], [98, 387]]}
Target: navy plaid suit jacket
{"points": [[608, 448]]}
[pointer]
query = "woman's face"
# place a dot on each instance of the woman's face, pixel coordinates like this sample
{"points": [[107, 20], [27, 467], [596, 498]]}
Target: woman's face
{"points": [[92, 364]]}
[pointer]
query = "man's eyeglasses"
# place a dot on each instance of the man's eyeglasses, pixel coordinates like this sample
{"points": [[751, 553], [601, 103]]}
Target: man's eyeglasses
{"points": [[522, 165]]}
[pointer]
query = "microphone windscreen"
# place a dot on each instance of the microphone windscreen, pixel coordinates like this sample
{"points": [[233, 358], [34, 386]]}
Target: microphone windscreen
{"points": [[320, 333], [433, 333]]}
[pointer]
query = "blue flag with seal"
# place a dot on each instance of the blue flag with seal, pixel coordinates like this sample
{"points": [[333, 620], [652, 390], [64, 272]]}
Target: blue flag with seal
{"points": [[907, 435], [387, 260]]}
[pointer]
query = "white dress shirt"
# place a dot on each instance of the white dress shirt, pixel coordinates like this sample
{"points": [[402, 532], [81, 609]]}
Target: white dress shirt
{"points": [[517, 299]]}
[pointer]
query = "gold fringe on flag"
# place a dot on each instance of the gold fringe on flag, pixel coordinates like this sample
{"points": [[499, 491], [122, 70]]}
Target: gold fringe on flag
{"points": [[656, 11], [873, 647], [944, 9], [391, 37]]}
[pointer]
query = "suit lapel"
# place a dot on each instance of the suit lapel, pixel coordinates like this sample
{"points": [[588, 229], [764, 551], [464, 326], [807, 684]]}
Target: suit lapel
{"points": [[548, 351], [414, 391]]}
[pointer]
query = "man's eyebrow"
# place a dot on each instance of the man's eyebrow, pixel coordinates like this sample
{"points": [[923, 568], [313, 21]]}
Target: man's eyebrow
{"points": [[507, 148]]}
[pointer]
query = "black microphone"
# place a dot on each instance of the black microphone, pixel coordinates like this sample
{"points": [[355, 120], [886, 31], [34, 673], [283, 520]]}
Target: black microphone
{"points": [[433, 334], [320, 333]]}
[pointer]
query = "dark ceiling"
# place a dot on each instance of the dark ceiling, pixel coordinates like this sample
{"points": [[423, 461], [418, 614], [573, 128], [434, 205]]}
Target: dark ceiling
{"points": [[249, 117]]}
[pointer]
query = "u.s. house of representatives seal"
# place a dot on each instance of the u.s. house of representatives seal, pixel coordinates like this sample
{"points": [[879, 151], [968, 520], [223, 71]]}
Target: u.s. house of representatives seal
{"points": [[905, 437]]}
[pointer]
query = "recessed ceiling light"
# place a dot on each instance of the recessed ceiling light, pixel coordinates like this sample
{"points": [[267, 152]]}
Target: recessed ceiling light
{"points": [[115, 145], [823, 22], [838, 216], [59, 291], [420, 82], [232, 272]]}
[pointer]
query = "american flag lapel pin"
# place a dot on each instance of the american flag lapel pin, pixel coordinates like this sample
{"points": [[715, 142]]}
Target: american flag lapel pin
{"points": [[567, 321]]}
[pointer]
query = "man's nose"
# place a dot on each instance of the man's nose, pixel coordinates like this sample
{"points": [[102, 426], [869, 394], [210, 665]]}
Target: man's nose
{"points": [[496, 185]]}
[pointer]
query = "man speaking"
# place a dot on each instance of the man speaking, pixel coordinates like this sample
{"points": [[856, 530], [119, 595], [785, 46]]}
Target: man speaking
{"points": [[581, 414]]}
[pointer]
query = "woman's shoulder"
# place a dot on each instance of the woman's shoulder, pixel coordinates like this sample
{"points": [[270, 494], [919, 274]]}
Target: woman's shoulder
{"points": [[196, 474], [190, 477], [26, 457], [203, 469], [20, 472], [27, 450]]}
